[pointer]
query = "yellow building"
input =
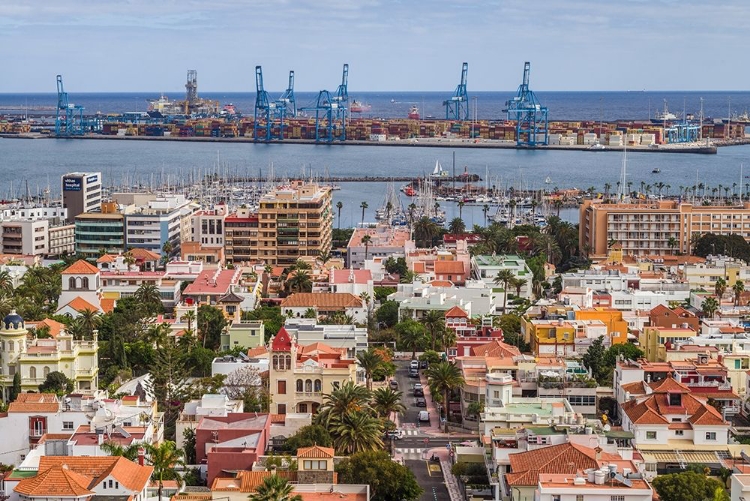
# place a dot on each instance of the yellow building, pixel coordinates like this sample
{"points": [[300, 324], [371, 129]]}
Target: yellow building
{"points": [[660, 227], [617, 328], [293, 222], [34, 359], [299, 376], [653, 341]]}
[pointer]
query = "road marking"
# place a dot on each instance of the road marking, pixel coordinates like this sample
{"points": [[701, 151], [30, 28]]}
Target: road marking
{"points": [[433, 468]]}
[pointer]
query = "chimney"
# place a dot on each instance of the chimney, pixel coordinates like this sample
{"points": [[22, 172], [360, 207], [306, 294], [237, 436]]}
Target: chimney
{"points": [[141, 456]]}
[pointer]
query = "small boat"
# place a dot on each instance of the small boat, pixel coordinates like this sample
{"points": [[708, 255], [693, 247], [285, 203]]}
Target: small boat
{"points": [[438, 172], [548, 180], [414, 112], [359, 107], [597, 147], [656, 170]]}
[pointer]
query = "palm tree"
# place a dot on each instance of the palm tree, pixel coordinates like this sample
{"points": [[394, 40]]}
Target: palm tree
{"points": [[672, 243], [6, 283], [364, 206], [738, 288], [607, 187], [357, 431], [165, 458], [189, 318], [300, 281], [349, 397], [167, 248], [369, 361], [443, 378], [366, 240], [114, 449], [76, 329], [433, 322], [386, 400], [129, 259], [485, 209], [518, 283], [339, 206], [425, 231], [456, 226], [274, 488], [324, 257], [149, 295], [461, 204], [720, 288], [504, 277], [557, 204], [89, 320], [710, 306]]}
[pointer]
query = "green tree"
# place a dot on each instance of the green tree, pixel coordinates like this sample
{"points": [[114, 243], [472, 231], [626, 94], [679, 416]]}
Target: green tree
{"points": [[271, 316], [710, 306], [149, 297], [593, 359], [382, 293], [686, 485], [166, 458], [504, 277], [629, 351], [388, 480], [307, 436], [128, 452], [720, 288], [349, 397], [410, 335], [434, 323], [444, 378], [339, 206], [388, 313], [363, 206], [357, 431], [188, 435], [369, 361], [457, 226], [15, 390], [387, 400], [275, 488], [90, 320], [396, 265], [56, 382], [366, 240], [211, 323], [300, 281]]}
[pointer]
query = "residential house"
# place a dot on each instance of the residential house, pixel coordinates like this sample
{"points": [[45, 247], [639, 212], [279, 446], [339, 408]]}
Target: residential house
{"points": [[486, 268], [325, 305]]}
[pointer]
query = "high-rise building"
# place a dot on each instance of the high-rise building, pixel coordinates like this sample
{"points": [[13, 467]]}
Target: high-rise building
{"points": [[99, 232], [241, 236], [81, 193], [656, 228], [294, 222], [159, 222]]}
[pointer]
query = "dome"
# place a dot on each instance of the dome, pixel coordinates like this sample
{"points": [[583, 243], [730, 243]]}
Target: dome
{"points": [[13, 321]]}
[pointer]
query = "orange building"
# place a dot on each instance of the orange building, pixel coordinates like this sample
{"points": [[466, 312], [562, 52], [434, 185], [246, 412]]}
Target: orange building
{"points": [[617, 327]]}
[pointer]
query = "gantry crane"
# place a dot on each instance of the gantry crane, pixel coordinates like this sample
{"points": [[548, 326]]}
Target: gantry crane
{"points": [[331, 111], [457, 107], [266, 111], [287, 99], [530, 116], [69, 120]]}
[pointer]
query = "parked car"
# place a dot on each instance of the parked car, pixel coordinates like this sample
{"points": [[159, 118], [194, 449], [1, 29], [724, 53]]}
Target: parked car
{"points": [[414, 364], [413, 372], [418, 390], [424, 364], [421, 402], [424, 416], [393, 384]]}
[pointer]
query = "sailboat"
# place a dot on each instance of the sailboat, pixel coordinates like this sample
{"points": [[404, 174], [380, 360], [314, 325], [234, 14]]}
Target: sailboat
{"points": [[438, 172]]}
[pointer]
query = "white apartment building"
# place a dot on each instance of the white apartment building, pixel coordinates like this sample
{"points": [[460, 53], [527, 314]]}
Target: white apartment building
{"points": [[476, 299], [208, 227], [30, 230], [486, 268], [646, 300], [307, 331], [160, 221]]}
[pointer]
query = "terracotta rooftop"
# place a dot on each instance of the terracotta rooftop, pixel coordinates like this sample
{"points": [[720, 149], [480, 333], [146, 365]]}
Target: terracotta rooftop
{"points": [[343, 276], [205, 283], [55, 327], [496, 349], [35, 402], [315, 452], [144, 255], [565, 458], [81, 267], [451, 267], [330, 301], [248, 481], [108, 304], [56, 482], [456, 312], [80, 305], [442, 283], [131, 475]]}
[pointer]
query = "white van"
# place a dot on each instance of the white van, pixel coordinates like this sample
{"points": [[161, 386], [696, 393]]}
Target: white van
{"points": [[424, 416]]}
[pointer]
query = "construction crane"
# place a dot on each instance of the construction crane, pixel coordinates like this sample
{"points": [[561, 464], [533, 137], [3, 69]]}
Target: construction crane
{"points": [[287, 99], [331, 111], [69, 120], [530, 116], [266, 111], [457, 107], [191, 90]]}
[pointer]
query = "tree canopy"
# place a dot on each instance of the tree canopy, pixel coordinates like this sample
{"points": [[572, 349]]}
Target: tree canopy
{"points": [[685, 485], [388, 480]]}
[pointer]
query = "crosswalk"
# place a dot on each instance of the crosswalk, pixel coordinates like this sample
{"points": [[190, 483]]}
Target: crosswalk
{"points": [[410, 453], [411, 432]]}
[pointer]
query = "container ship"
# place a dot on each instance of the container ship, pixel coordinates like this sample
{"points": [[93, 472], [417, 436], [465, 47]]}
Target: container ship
{"points": [[358, 107]]}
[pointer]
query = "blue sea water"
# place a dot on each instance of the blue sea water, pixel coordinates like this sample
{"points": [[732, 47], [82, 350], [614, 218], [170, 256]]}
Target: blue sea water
{"points": [[607, 106], [41, 162]]}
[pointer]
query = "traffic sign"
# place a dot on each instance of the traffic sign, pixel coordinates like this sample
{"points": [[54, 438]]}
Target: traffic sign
{"points": [[426, 440]]}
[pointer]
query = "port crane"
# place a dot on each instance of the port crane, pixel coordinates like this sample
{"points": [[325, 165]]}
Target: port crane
{"points": [[287, 99], [267, 113], [69, 120], [330, 111], [530, 116], [457, 107]]}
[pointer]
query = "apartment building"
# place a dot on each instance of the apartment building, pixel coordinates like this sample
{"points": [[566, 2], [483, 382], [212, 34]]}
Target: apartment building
{"points": [[659, 227], [160, 221], [383, 241], [35, 231], [96, 231], [486, 268], [241, 236], [294, 221]]}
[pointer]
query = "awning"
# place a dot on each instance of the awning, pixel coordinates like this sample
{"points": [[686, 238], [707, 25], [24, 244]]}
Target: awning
{"points": [[707, 458]]}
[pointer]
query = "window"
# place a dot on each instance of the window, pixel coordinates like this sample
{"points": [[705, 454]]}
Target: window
{"points": [[555, 497], [616, 498], [281, 408], [650, 435], [281, 387], [679, 433], [579, 497], [32, 371], [299, 386], [67, 425], [710, 435], [315, 465]]}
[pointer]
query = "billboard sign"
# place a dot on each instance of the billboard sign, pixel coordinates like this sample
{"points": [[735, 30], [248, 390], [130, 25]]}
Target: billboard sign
{"points": [[92, 179], [71, 184]]}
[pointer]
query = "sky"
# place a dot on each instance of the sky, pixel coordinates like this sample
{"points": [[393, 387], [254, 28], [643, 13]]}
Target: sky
{"points": [[390, 45]]}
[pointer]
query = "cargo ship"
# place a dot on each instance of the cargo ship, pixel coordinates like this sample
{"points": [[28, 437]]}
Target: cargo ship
{"points": [[414, 112], [358, 107]]}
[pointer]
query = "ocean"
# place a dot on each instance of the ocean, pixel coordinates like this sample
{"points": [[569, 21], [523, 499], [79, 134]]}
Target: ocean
{"points": [[40, 163]]}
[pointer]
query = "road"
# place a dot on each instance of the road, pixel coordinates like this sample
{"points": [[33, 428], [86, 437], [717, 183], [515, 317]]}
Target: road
{"points": [[430, 478]]}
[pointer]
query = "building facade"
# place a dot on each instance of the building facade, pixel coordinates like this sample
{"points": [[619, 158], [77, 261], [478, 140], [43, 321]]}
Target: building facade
{"points": [[97, 231], [81, 193]]}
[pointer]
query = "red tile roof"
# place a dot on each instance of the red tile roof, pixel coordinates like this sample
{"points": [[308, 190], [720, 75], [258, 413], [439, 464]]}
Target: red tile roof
{"points": [[80, 305], [81, 267], [495, 349], [131, 475], [565, 458], [315, 452], [342, 276], [211, 282], [35, 402], [329, 301], [56, 482], [108, 304], [449, 267], [456, 312], [55, 327]]}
